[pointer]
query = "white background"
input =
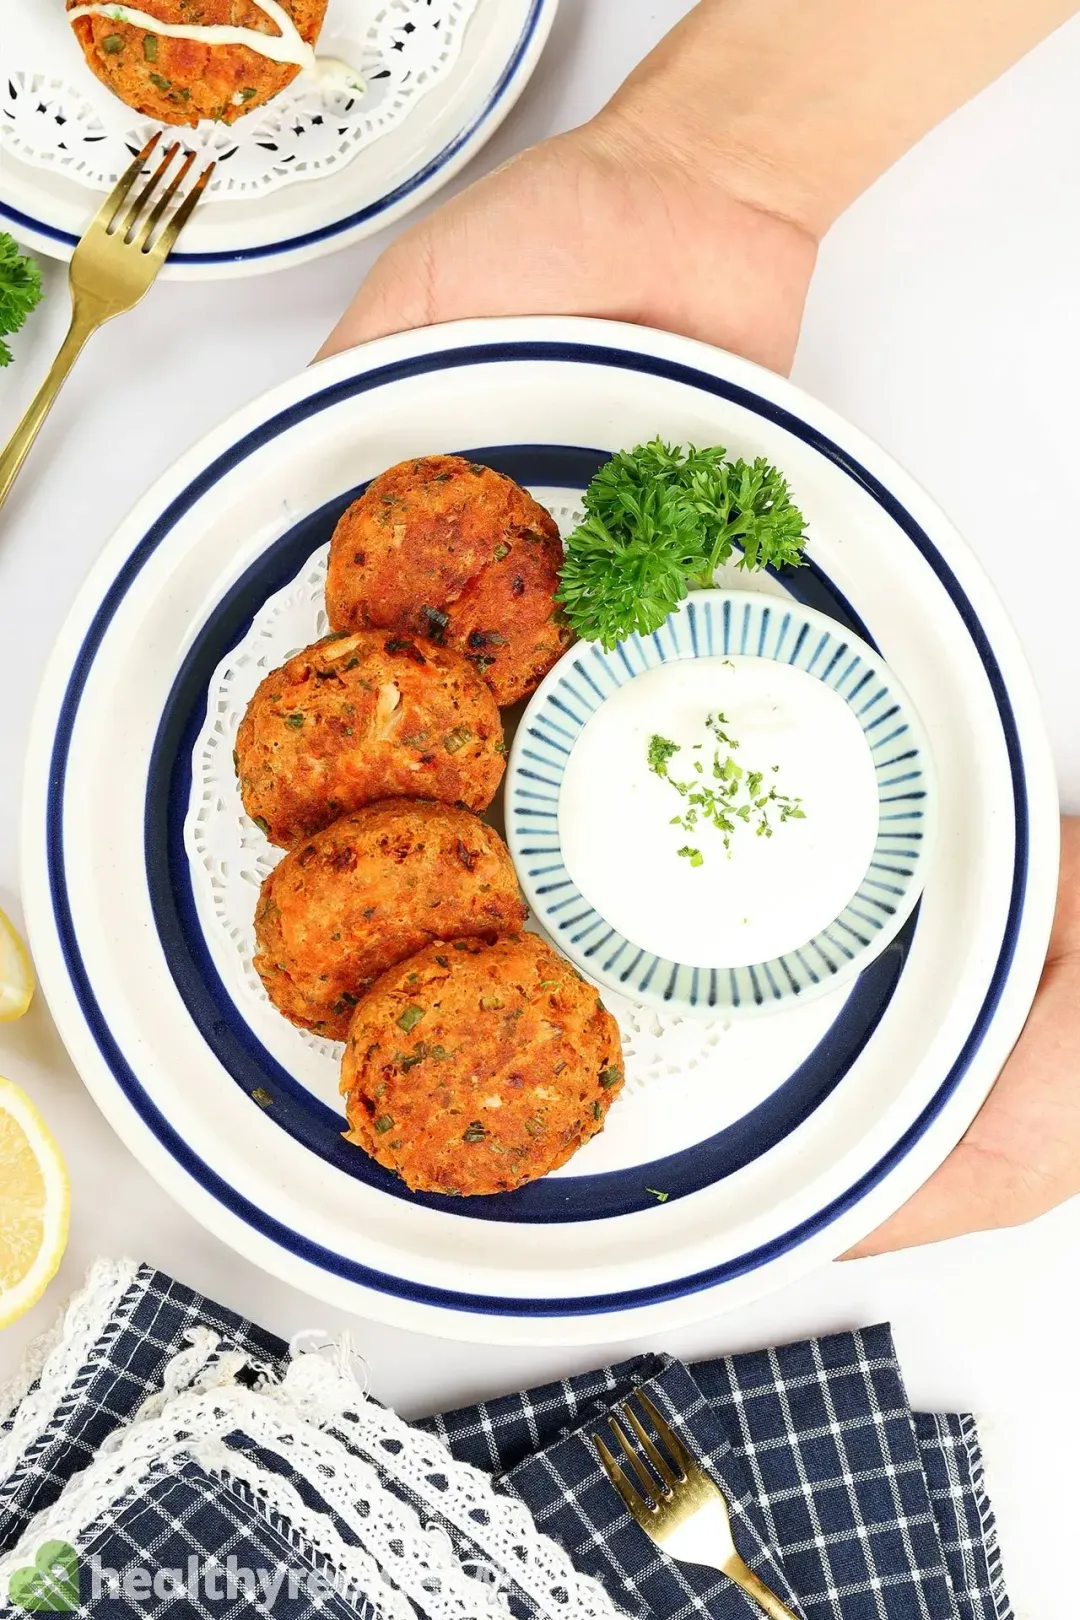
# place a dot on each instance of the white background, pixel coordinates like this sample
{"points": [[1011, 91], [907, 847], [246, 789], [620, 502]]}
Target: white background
{"points": [[945, 321]]}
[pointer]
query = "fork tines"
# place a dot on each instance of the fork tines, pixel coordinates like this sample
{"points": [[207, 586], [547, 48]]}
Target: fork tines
{"points": [[646, 1486], [142, 235]]}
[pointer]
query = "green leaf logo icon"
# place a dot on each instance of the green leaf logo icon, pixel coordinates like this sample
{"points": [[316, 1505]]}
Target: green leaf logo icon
{"points": [[50, 1585]]}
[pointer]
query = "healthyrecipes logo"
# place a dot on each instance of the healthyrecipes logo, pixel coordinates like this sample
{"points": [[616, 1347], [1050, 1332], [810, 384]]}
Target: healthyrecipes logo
{"points": [[50, 1585], [58, 1579]]}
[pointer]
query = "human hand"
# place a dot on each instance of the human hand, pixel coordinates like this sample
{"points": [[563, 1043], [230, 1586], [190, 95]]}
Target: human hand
{"points": [[598, 222], [695, 198], [1021, 1155]]}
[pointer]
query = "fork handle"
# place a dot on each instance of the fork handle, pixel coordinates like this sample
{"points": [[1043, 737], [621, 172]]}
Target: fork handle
{"points": [[18, 446], [754, 1587]]}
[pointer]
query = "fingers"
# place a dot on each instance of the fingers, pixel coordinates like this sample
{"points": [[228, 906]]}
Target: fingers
{"points": [[463, 259], [1021, 1155], [489, 251], [965, 1195], [397, 296]]}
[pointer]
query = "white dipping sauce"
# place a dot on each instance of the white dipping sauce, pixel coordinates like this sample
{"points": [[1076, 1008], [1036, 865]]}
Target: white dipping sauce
{"points": [[287, 46], [770, 895]]}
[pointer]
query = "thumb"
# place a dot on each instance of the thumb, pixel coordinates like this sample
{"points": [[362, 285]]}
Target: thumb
{"points": [[396, 295]]}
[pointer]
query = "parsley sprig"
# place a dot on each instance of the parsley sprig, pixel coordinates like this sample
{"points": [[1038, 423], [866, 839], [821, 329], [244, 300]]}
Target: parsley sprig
{"points": [[659, 521], [733, 795], [20, 291]]}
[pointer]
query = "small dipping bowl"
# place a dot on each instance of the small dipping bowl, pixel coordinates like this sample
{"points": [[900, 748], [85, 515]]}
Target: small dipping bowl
{"points": [[891, 848]]}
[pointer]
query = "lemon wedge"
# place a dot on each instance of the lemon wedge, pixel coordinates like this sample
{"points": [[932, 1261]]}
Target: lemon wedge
{"points": [[34, 1202], [16, 973]]}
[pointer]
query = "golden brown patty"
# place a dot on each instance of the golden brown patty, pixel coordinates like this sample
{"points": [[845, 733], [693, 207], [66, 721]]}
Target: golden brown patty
{"points": [[477, 1068], [369, 891], [445, 548], [179, 81], [365, 717]]}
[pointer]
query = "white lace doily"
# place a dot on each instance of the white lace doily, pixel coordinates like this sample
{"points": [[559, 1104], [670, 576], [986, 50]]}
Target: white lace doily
{"points": [[229, 857], [56, 115], [356, 1457]]}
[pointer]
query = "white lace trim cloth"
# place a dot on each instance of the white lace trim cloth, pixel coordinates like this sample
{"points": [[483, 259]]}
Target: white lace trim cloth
{"points": [[229, 857], [62, 1361], [56, 115], [306, 1420]]}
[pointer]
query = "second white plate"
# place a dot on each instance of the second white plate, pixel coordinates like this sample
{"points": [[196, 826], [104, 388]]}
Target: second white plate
{"points": [[49, 207]]}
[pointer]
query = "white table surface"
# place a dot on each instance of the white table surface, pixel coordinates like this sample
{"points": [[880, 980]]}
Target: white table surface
{"points": [[945, 321]]}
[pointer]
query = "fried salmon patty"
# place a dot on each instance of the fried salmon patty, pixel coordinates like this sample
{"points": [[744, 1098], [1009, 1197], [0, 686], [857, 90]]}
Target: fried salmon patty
{"points": [[179, 81], [367, 892], [444, 548], [364, 717], [475, 1068]]}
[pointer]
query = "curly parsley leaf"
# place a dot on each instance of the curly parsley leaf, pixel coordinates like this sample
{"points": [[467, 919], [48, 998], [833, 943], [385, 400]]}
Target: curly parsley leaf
{"points": [[659, 521], [20, 291]]}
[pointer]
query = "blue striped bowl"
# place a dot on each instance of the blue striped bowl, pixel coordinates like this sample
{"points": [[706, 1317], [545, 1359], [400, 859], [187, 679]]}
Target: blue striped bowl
{"points": [[719, 623]]}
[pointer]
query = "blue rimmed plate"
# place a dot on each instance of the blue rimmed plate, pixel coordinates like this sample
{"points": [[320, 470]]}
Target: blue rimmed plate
{"points": [[768, 1148], [724, 624]]}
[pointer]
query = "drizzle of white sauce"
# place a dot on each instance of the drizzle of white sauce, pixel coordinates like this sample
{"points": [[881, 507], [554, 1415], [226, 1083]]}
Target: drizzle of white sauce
{"points": [[769, 895], [288, 46]]}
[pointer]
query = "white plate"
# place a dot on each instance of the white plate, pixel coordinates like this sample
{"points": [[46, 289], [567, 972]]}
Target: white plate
{"points": [[775, 1160], [48, 210]]}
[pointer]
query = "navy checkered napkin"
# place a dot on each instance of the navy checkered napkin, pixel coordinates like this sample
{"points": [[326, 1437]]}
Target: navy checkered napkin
{"points": [[848, 1505], [846, 1502]]}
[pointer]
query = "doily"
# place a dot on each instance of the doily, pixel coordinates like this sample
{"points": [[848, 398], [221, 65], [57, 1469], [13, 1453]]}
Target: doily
{"points": [[229, 857], [399, 1524], [56, 115]]}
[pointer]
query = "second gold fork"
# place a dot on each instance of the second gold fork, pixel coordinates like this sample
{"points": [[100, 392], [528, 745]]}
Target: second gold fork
{"points": [[676, 1503], [114, 265]]}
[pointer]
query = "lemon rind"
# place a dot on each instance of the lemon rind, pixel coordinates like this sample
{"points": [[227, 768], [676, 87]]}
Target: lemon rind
{"points": [[16, 973], [29, 1289]]}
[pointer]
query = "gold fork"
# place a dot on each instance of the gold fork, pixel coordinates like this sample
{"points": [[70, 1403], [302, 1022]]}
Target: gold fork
{"points": [[677, 1504], [112, 267]]}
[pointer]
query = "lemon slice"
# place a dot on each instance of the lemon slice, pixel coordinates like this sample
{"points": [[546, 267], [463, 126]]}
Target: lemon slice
{"points": [[34, 1199], [16, 973]]}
